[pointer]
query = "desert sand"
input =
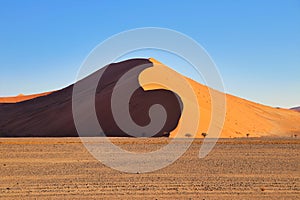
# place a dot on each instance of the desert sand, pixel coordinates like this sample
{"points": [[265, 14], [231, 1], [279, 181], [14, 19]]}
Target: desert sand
{"points": [[61, 168]]}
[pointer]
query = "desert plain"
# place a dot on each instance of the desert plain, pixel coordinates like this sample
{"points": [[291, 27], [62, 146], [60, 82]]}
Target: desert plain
{"points": [[237, 168]]}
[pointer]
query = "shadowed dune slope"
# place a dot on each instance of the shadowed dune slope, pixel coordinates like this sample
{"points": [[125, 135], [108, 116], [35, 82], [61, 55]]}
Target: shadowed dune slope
{"points": [[51, 114]]}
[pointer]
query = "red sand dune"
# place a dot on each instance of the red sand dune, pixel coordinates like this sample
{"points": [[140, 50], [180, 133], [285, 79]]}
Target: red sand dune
{"points": [[51, 114]]}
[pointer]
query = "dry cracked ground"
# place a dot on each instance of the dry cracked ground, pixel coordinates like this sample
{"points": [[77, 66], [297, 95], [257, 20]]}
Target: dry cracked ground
{"points": [[61, 168]]}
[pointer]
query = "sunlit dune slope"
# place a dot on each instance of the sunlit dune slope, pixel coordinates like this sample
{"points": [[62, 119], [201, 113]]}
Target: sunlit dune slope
{"points": [[243, 118]]}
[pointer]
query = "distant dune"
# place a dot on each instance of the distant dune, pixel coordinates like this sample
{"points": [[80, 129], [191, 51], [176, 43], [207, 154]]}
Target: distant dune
{"points": [[22, 97], [50, 114], [296, 108]]}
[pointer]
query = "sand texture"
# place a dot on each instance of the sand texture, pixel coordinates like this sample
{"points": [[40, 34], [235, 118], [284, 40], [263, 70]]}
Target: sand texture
{"points": [[61, 168]]}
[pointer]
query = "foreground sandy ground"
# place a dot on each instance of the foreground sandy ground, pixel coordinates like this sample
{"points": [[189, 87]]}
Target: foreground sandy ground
{"points": [[61, 168]]}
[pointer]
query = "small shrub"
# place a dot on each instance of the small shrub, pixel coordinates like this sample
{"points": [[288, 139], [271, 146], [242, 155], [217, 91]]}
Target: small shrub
{"points": [[204, 134]]}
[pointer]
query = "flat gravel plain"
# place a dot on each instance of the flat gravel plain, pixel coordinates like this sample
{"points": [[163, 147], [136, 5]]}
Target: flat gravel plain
{"points": [[62, 168]]}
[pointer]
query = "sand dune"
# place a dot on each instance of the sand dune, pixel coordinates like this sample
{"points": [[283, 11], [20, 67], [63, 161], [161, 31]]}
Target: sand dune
{"points": [[50, 114], [296, 108]]}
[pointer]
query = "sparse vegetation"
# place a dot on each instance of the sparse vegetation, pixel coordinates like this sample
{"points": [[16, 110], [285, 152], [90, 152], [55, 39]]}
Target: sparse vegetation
{"points": [[247, 134], [188, 135]]}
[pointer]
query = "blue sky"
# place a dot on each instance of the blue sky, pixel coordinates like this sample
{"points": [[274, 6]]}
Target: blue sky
{"points": [[255, 44]]}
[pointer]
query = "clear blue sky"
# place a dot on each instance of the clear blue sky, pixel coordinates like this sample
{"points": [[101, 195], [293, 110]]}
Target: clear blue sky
{"points": [[255, 44]]}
